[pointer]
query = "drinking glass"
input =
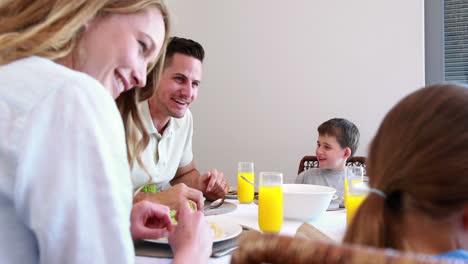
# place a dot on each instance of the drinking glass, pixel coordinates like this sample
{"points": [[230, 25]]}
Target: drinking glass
{"points": [[245, 190], [358, 189], [270, 202], [356, 173]]}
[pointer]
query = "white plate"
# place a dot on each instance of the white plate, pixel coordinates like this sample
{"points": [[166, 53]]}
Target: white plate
{"points": [[230, 229]]}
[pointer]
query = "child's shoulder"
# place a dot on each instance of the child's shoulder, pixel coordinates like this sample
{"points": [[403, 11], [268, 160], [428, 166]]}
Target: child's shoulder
{"points": [[331, 173], [310, 176]]}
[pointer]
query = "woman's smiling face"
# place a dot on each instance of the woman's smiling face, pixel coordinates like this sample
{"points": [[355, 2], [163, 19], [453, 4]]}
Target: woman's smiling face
{"points": [[116, 49]]}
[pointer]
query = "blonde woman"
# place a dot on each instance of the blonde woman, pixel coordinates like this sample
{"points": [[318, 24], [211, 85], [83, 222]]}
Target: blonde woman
{"points": [[65, 188]]}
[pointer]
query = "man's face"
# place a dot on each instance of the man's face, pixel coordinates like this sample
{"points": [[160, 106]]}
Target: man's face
{"points": [[330, 154], [178, 86]]}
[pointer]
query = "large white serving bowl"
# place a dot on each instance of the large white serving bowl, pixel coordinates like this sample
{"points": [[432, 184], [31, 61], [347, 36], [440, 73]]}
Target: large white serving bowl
{"points": [[306, 202]]}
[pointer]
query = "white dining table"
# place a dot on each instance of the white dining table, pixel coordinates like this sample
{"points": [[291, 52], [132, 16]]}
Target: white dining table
{"points": [[331, 223]]}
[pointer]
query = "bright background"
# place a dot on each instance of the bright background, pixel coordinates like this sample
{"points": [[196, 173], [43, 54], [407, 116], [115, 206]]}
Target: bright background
{"points": [[275, 70]]}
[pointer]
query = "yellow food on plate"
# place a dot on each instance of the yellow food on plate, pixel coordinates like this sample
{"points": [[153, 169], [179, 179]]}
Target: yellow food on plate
{"points": [[217, 230], [173, 212]]}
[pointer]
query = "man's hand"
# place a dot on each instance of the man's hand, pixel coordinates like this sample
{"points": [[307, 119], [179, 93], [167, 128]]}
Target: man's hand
{"points": [[174, 197], [149, 220], [213, 185]]}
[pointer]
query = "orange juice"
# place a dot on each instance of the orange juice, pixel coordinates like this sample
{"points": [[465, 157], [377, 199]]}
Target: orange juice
{"points": [[352, 204], [270, 208], [345, 189], [355, 173], [245, 191]]}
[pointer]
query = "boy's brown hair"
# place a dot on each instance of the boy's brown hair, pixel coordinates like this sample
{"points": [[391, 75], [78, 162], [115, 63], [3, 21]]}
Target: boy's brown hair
{"points": [[346, 133]]}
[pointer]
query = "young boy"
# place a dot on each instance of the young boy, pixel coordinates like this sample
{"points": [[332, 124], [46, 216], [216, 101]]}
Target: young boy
{"points": [[337, 141]]}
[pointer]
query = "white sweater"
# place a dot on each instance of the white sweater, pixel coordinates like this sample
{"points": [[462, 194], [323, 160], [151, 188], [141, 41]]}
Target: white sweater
{"points": [[65, 188]]}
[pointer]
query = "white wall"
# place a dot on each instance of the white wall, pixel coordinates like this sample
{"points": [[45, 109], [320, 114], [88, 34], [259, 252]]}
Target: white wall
{"points": [[275, 70]]}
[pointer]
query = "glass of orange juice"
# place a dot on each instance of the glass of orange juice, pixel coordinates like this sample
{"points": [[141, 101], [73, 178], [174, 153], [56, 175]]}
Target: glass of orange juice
{"points": [[270, 202], [356, 173], [357, 191], [245, 190]]}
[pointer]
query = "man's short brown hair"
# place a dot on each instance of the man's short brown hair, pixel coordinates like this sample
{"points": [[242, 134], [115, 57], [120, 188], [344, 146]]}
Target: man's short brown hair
{"points": [[183, 46]]}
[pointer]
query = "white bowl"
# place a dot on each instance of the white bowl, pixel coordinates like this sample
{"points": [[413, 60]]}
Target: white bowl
{"points": [[306, 201]]}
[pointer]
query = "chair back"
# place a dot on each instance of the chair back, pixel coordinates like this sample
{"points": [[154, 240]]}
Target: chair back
{"points": [[259, 248], [308, 162]]}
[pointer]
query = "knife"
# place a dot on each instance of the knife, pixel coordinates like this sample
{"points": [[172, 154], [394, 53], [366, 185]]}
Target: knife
{"points": [[223, 252]]}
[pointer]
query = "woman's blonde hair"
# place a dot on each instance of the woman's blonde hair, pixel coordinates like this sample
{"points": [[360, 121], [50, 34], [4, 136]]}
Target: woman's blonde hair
{"points": [[135, 131], [418, 159], [52, 28]]}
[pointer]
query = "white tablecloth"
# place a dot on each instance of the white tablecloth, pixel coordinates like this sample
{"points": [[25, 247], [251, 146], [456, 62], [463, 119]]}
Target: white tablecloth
{"points": [[332, 223]]}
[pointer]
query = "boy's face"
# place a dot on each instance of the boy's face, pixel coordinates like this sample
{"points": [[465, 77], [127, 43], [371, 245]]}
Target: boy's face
{"points": [[330, 154]]}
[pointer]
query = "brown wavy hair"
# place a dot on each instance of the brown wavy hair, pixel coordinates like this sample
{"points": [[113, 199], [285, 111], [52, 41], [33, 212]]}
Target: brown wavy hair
{"points": [[418, 159]]}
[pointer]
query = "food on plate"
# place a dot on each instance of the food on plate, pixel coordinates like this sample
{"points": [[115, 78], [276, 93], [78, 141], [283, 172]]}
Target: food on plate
{"points": [[217, 230], [173, 212], [150, 188]]}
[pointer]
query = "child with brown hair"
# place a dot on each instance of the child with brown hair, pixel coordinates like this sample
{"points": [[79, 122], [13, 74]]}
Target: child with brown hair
{"points": [[418, 174], [337, 141]]}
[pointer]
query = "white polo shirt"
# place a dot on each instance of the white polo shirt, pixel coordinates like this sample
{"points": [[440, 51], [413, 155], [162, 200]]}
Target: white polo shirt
{"points": [[165, 153]]}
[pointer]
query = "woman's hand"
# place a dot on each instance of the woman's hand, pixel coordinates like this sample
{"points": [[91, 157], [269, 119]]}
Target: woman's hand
{"points": [[150, 220], [192, 239]]}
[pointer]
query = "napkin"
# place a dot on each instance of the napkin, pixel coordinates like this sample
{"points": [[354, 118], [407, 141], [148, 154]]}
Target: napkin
{"points": [[309, 231]]}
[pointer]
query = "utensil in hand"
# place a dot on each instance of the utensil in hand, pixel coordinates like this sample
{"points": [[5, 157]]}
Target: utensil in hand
{"points": [[215, 204]]}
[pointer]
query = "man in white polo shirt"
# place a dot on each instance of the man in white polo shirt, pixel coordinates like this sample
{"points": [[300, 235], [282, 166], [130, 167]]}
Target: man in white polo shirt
{"points": [[168, 158]]}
